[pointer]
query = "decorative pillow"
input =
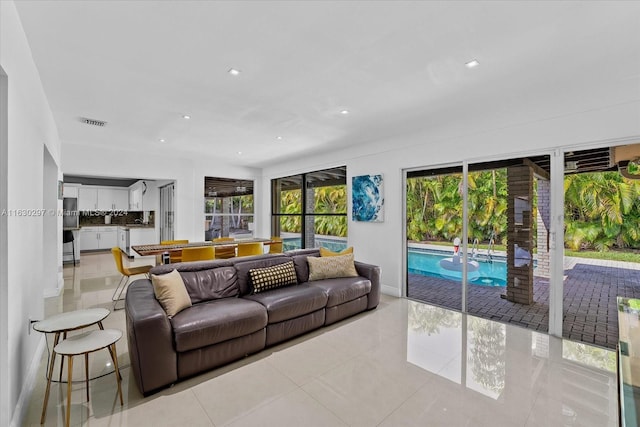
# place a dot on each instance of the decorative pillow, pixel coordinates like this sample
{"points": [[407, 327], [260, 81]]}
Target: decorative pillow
{"points": [[277, 276], [327, 252], [171, 292], [331, 267]]}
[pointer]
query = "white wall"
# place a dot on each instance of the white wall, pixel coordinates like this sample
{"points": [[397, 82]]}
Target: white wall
{"points": [[31, 126], [187, 174], [382, 243]]}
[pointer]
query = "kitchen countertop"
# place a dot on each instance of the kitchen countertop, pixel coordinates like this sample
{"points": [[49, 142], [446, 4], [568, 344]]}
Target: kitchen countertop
{"points": [[130, 226]]}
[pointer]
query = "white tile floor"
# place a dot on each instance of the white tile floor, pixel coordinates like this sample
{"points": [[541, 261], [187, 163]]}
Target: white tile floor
{"points": [[403, 364]]}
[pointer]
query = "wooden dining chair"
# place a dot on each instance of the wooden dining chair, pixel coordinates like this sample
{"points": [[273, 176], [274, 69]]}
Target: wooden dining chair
{"points": [[204, 253], [276, 245], [248, 249], [174, 256]]}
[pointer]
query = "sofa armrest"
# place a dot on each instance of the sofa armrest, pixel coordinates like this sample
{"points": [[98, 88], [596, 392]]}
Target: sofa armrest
{"points": [[371, 272], [150, 337]]}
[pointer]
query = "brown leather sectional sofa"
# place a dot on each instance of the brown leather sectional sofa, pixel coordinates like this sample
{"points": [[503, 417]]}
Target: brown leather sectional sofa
{"points": [[226, 322]]}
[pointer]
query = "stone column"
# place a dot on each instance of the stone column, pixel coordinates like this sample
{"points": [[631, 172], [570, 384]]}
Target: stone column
{"points": [[519, 233], [309, 223], [543, 221], [225, 220]]}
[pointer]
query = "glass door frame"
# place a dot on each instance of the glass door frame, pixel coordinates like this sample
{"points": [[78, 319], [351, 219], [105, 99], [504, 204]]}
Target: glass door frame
{"points": [[556, 227]]}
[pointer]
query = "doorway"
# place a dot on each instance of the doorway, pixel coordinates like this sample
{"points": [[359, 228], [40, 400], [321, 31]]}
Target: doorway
{"points": [[167, 211]]}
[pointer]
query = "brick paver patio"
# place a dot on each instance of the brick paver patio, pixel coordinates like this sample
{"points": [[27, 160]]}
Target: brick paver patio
{"points": [[589, 306]]}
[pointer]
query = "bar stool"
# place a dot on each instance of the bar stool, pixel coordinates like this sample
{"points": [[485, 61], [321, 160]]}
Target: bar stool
{"points": [[67, 237], [86, 343]]}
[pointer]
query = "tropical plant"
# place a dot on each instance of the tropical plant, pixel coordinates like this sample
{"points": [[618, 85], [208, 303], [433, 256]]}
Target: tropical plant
{"points": [[602, 211], [326, 200]]}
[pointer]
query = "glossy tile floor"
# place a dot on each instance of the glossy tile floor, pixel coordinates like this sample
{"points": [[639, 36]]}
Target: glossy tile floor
{"points": [[405, 363]]}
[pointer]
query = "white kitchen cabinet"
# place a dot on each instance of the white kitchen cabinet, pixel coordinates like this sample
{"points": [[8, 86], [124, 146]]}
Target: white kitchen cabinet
{"points": [[143, 196], [141, 236], [70, 190], [97, 238], [135, 197], [110, 199], [87, 199]]}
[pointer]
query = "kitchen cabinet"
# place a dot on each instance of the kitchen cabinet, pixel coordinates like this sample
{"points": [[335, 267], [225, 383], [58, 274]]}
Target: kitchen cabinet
{"points": [[135, 198], [103, 199], [113, 199], [97, 238], [70, 190], [87, 199], [141, 236], [142, 196]]}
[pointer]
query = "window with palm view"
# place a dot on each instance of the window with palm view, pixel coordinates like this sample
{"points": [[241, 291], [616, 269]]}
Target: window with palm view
{"points": [[310, 210]]}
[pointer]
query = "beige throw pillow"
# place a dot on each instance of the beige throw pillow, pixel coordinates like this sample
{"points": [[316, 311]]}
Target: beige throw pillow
{"points": [[171, 292], [331, 267]]}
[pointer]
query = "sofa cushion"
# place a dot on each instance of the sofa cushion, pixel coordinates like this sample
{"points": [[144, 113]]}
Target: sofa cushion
{"points": [[343, 289], [170, 292], [289, 303], [259, 261], [331, 267], [215, 283], [276, 276], [215, 321]]}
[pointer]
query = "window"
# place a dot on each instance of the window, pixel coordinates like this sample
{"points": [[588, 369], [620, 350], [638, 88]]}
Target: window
{"points": [[313, 218], [228, 208]]}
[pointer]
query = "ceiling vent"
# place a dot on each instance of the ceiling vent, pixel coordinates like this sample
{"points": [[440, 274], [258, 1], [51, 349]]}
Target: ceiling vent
{"points": [[93, 122]]}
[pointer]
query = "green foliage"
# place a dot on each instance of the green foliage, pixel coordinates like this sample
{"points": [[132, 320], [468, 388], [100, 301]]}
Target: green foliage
{"points": [[602, 210], [327, 200], [434, 207]]}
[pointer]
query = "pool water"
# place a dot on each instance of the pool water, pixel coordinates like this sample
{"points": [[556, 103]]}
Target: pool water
{"points": [[428, 264], [292, 243]]}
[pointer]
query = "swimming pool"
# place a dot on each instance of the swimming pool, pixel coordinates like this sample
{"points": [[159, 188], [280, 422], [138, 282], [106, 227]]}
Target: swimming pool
{"points": [[291, 243], [427, 263]]}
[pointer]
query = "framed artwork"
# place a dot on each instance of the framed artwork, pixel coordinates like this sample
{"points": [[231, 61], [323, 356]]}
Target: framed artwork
{"points": [[367, 194]]}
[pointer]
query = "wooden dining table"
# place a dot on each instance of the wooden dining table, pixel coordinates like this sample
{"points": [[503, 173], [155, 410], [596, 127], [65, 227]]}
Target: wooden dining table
{"points": [[157, 249]]}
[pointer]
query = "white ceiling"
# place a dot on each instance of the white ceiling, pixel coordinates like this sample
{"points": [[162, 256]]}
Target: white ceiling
{"points": [[398, 67]]}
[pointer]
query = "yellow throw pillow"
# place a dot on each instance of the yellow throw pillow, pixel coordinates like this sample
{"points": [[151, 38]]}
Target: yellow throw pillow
{"points": [[327, 252], [331, 267], [171, 292]]}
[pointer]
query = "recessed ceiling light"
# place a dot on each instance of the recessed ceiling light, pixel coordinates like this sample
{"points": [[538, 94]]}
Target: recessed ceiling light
{"points": [[234, 72], [472, 64], [239, 153], [279, 138], [162, 140], [344, 112], [186, 116]]}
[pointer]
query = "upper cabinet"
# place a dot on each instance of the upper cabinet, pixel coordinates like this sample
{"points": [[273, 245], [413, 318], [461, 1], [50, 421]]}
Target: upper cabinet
{"points": [[113, 199], [69, 190], [88, 199], [142, 196], [103, 199]]}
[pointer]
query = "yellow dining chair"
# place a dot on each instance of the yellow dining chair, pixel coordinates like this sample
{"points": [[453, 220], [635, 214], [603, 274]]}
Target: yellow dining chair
{"points": [[276, 245], [174, 256], [204, 253], [224, 252], [126, 272], [248, 249]]}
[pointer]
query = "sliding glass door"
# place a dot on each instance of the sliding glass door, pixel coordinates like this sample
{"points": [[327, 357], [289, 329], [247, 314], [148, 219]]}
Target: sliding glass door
{"points": [[434, 231], [482, 260]]}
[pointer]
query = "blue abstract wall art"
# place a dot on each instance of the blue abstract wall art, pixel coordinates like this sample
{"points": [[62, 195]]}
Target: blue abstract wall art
{"points": [[368, 198]]}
